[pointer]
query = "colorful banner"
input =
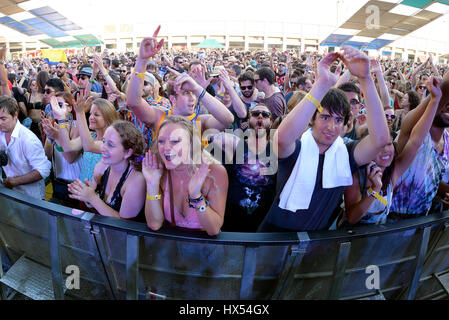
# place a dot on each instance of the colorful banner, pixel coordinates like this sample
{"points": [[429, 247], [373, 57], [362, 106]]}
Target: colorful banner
{"points": [[53, 57]]}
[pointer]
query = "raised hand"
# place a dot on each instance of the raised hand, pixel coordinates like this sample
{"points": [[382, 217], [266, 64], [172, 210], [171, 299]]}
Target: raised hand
{"points": [[198, 73], [186, 80], [149, 46], [433, 85], [50, 130], [82, 191], [59, 112], [357, 62], [98, 63], [324, 75], [375, 66], [197, 180], [83, 102], [225, 80], [374, 176], [152, 168]]}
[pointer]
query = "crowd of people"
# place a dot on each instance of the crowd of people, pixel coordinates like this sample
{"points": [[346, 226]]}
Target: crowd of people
{"points": [[240, 141]]}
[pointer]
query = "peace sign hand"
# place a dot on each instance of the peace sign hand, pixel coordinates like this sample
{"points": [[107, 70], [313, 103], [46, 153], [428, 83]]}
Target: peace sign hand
{"points": [[149, 46]]}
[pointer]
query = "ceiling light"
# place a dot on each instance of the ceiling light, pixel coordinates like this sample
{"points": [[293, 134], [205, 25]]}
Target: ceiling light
{"points": [[22, 16], [33, 4], [348, 32], [438, 8], [404, 10], [389, 36], [361, 39]]}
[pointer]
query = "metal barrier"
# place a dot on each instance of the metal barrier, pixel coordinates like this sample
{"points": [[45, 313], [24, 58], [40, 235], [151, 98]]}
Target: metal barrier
{"points": [[120, 259]]}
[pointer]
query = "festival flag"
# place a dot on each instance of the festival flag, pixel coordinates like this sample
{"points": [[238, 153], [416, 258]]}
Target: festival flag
{"points": [[53, 57]]}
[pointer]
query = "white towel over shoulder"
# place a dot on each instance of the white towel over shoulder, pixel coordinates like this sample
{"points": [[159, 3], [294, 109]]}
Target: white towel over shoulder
{"points": [[298, 190]]}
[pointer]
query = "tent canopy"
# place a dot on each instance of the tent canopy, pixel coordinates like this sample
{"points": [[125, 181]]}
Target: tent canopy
{"points": [[210, 43]]}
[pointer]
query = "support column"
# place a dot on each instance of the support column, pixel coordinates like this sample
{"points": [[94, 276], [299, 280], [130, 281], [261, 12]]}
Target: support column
{"points": [[265, 43], [246, 42], [226, 42]]}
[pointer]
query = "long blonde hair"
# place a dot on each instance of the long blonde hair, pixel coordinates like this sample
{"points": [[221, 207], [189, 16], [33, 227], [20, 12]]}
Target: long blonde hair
{"points": [[107, 109], [194, 137]]}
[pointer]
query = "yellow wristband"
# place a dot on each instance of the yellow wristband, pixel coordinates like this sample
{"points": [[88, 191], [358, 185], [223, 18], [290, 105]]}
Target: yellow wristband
{"points": [[315, 102], [377, 196], [155, 197], [140, 75], [63, 125]]}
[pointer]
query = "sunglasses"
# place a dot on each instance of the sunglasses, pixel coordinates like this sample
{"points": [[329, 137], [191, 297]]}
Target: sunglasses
{"points": [[60, 67], [146, 83], [246, 87], [84, 77], [422, 87], [123, 71], [392, 116], [48, 91], [265, 114]]}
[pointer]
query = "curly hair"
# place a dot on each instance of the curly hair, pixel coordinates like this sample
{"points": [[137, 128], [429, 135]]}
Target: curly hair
{"points": [[131, 138]]}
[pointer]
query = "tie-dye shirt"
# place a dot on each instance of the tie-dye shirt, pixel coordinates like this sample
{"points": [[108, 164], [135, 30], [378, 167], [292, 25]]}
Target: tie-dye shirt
{"points": [[417, 187]]}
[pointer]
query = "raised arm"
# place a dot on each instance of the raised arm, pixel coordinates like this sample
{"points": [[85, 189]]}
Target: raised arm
{"points": [[297, 121], [237, 103], [365, 151], [383, 90], [219, 116], [88, 143], [413, 116], [62, 138], [3, 74], [152, 170], [419, 131], [148, 48]]}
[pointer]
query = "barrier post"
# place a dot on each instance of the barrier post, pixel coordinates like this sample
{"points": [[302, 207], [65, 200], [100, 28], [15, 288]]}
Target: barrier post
{"points": [[249, 271], [132, 267], [55, 258]]}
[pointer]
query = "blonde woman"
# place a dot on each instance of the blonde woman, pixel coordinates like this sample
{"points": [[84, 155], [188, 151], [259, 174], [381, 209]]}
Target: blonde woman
{"points": [[183, 193]]}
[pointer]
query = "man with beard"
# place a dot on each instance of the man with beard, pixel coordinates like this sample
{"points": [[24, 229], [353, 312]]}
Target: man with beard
{"points": [[418, 186], [61, 73], [251, 168], [248, 94]]}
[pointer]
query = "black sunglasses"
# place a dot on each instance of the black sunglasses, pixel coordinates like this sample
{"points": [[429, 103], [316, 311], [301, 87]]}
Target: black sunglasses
{"points": [[265, 114], [246, 87], [422, 87], [146, 83], [392, 116], [48, 91]]}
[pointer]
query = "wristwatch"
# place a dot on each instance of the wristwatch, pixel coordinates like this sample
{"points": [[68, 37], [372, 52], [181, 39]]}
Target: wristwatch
{"points": [[203, 208]]}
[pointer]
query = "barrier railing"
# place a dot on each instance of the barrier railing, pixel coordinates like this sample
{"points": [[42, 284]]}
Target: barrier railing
{"points": [[120, 259]]}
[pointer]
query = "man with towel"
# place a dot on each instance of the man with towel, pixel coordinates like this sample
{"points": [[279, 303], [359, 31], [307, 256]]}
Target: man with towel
{"points": [[314, 170]]}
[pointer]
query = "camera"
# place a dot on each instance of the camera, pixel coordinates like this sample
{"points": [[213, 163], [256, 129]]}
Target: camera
{"points": [[3, 158]]}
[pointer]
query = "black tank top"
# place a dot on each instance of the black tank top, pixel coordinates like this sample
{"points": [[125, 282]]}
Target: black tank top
{"points": [[116, 200]]}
